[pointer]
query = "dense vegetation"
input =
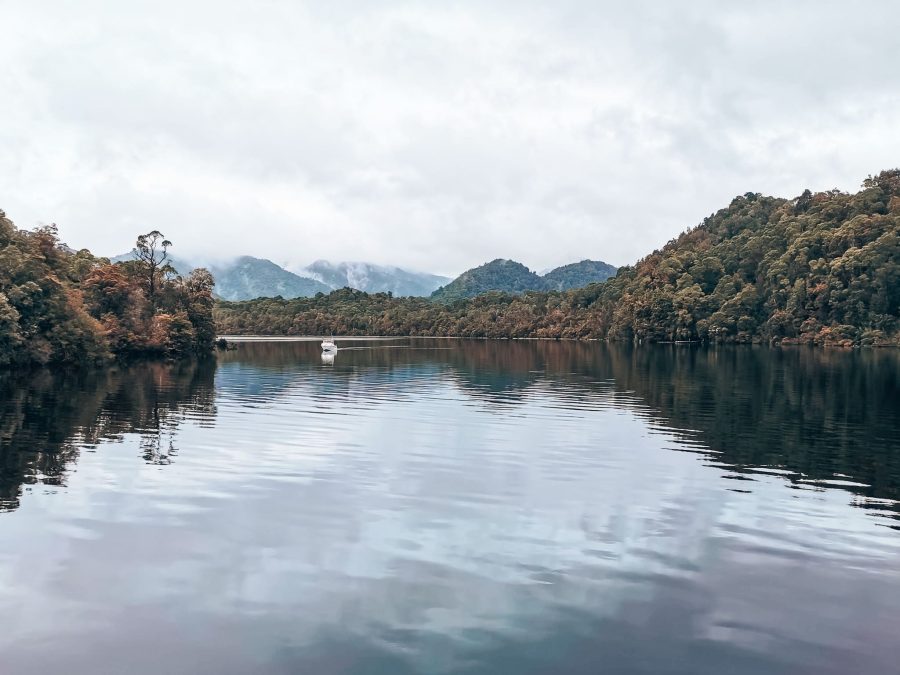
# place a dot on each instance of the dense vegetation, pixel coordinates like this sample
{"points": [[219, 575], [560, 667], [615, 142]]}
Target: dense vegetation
{"points": [[578, 275], [509, 276], [823, 268], [62, 306]]}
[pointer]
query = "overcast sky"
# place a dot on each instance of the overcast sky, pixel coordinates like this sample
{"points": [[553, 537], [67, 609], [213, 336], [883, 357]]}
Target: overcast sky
{"points": [[433, 135]]}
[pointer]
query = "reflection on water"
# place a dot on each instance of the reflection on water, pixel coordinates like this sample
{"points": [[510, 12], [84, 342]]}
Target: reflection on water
{"points": [[48, 419], [443, 506]]}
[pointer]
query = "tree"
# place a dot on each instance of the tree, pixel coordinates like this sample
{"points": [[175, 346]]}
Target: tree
{"points": [[151, 250], [198, 289]]}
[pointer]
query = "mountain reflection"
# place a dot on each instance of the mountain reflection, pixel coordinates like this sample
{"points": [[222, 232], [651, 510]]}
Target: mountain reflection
{"points": [[47, 418], [812, 415]]}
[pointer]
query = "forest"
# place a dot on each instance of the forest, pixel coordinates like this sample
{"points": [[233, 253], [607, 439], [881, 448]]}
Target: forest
{"points": [[63, 306], [509, 276], [823, 268]]}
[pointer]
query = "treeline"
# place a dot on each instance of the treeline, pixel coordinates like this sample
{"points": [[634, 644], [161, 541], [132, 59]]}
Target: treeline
{"points": [[823, 268], [63, 306]]}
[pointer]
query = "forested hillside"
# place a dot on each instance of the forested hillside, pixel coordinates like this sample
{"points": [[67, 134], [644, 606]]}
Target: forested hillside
{"points": [[498, 275], [509, 276], [578, 275], [823, 268], [60, 306]]}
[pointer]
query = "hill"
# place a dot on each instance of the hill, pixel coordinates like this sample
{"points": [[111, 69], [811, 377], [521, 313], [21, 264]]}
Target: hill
{"points": [[507, 276], [822, 268], [578, 274], [373, 278]]}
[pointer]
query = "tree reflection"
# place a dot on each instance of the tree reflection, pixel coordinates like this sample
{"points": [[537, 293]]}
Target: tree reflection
{"points": [[813, 413], [46, 417]]}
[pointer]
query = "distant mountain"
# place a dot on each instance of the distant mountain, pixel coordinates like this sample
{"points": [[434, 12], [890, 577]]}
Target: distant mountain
{"points": [[578, 275], [498, 275], [247, 278], [373, 278], [510, 276]]}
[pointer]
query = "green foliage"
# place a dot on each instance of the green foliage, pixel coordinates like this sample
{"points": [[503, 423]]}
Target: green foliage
{"points": [[59, 306], [578, 275], [498, 275], [823, 269], [509, 276]]}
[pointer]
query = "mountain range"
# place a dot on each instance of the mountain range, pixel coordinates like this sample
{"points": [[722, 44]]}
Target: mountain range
{"points": [[373, 278], [246, 278], [509, 276]]}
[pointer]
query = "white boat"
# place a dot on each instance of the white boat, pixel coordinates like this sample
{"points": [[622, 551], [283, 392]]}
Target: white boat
{"points": [[328, 345]]}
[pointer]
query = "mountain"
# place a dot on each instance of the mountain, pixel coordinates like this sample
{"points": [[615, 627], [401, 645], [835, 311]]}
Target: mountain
{"points": [[373, 278], [509, 276], [498, 275], [578, 275], [246, 278]]}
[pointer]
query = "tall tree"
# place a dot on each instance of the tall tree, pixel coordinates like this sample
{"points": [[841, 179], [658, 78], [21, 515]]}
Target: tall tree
{"points": [[151, 250]]}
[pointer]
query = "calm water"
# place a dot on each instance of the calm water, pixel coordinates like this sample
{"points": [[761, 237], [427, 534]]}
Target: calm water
{"points": [[455, 507]]}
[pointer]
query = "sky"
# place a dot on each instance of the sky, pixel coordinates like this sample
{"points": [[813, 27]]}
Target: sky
{"points": [[433, 136]]}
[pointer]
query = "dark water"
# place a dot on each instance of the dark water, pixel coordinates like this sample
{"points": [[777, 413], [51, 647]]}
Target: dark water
{"points": [[485, 507]]}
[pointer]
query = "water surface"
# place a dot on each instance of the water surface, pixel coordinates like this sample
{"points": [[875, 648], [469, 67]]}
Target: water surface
{"points": [[455, 507]]}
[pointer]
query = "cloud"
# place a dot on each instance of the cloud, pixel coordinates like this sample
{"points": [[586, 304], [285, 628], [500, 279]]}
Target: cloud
{"points": [[433, 137]]}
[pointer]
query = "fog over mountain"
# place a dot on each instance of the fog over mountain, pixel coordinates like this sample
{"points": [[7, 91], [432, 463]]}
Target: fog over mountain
{"points": [[373, 278], [247, 277]]}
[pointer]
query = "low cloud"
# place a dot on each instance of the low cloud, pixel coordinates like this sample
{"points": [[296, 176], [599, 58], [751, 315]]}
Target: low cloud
{"points": [[432, 137]]}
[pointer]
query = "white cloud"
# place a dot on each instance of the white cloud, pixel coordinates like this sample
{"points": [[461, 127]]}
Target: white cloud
{"points": [[433, 137]]}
